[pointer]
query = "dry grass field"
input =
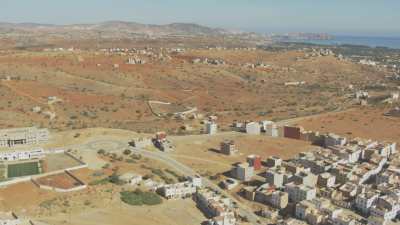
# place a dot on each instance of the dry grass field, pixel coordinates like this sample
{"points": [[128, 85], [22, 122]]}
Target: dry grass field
{"points": [[95, 94], [201, 152], [367, 122]]}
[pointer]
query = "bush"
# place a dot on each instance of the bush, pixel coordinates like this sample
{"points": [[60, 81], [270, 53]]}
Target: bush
{"points": [[99, 182], [127, 152], [139, 197], [114, 178], [101, 152]]}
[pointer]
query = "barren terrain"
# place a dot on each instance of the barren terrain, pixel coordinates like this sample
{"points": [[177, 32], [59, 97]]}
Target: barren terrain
{"points": [[91, 92]]}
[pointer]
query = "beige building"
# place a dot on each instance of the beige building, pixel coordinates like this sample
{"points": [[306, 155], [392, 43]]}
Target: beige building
{"points": [[23, 136]]}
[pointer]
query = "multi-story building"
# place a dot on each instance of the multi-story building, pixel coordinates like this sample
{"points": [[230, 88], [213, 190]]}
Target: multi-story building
{"points": [[334, 139], [243, 172], [254, 161], [386, 207], [365, 200], [344, 220], [273, 161], [275, 177], [306, 178], [15, 155], [23, 136], [219, 208], [278, 199], [265, 125], [253, 128], [211, 128], [326, 180], [272, 130], [298, 193], [292, 132], [178, 190], [228, 147]]}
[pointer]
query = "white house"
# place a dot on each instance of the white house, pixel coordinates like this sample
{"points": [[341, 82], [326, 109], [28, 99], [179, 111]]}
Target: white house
{"points": [[253, 128], [36, 153]]}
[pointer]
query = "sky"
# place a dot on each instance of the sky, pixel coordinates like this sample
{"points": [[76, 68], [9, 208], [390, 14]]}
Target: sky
{"points": [[349, 17]]}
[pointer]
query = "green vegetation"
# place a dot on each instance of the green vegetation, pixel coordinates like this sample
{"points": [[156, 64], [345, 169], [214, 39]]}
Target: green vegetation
{"points": [[139, 197], [114, 179], [163, 176], [101, 152], [48, 203], [23, 169], [99, 182], [177, 176], [127, 152]]}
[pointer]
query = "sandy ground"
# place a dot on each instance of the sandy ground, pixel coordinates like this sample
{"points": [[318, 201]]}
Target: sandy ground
{"points": [[201, 152], [174, 212], [360, 122]]}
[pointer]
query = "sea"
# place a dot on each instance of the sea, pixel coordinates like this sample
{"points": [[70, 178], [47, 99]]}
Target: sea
{"points": [[389, 42]]}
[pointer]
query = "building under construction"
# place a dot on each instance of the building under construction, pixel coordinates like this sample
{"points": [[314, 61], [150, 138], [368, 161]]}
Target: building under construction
{"points": [[23, 136]]}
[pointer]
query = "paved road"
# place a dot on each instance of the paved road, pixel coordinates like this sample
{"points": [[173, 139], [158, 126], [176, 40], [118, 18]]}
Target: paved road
{"points": [[244, 211]]}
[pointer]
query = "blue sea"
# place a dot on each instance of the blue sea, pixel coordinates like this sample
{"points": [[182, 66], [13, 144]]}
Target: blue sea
{"points": [[389, 42]]}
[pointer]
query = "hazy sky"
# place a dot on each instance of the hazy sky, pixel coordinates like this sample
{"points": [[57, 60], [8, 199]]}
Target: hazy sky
{"points": [[371, 17]]}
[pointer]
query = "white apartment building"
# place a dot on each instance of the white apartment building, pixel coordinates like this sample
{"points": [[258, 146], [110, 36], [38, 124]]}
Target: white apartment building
{"points": [[344, 220], [243, 172], [365, 200], [298, 193], [253, 128], [278, 199], [275, 177], [211, 128], [23, 136], [178, 190], [333, 139], [36, 153], [216, 207], [386, 207]]}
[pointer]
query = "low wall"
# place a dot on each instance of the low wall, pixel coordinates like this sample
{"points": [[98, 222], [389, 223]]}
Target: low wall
{"points": [[31, 178], [76, 158], [81, 186], [55, 151]]}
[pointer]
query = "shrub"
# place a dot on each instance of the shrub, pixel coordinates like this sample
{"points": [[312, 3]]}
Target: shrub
{"points": [[114, 178], [101, 152], [139, 197], [127, 152]]}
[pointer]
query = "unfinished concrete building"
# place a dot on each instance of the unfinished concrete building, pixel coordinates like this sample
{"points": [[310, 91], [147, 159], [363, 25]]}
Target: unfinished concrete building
{"points": [[23, 136]]}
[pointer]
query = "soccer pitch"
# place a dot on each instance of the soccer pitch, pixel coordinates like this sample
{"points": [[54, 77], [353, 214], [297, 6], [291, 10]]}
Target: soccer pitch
{"points": [[23, 169]]}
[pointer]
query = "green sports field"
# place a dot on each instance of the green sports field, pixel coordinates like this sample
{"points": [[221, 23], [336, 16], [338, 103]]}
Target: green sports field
{"points": [[23, 169]]}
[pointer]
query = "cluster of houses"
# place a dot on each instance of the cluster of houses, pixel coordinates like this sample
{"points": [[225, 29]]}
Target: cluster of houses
{"points": [[23, 136], [219, 209], [17, 155], [15, 143], [208, 61], [328, 185], [256, 128], [256, 65], [319, 52], [154, 54], [135, 60]]}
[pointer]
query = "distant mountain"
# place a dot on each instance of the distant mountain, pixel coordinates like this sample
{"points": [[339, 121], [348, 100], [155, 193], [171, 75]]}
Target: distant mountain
{"points": [[116, 28]]}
